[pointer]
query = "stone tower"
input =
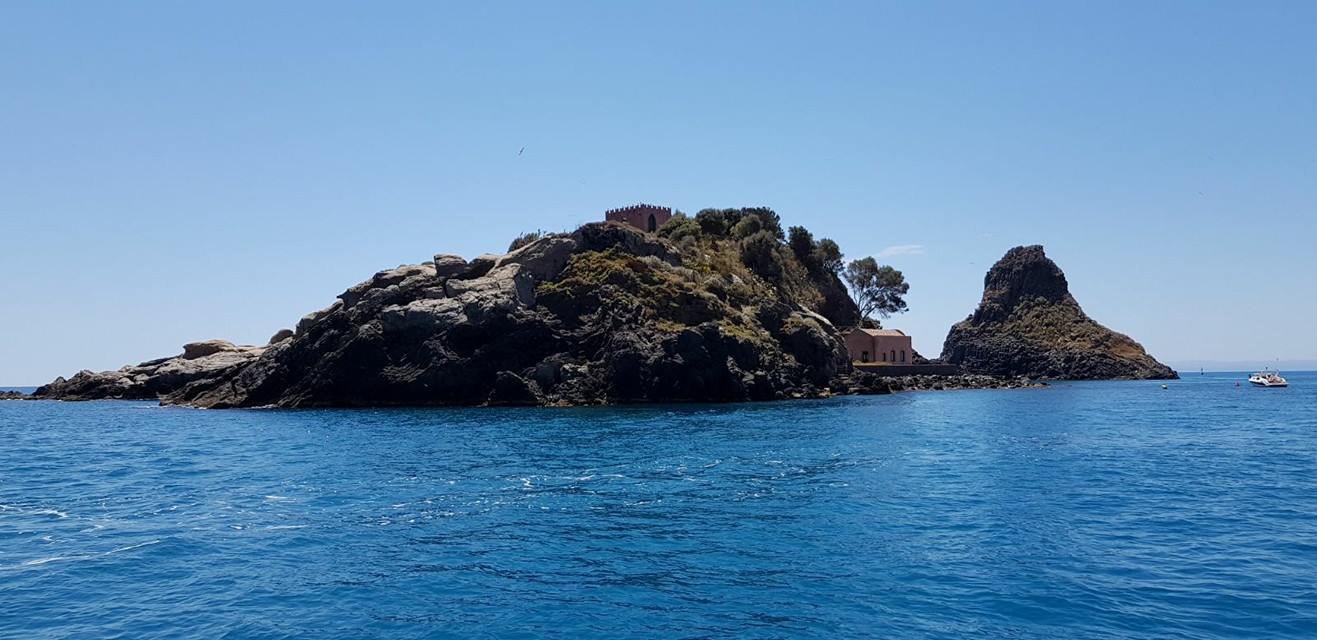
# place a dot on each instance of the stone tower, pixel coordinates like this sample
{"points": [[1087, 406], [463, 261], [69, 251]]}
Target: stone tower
{"points": [[645, 217]]}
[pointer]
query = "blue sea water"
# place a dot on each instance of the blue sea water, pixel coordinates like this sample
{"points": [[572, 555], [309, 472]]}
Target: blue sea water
{"points": [[1084, 510]]}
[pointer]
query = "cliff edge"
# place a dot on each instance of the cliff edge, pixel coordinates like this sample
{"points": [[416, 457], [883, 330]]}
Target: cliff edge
{"points": [[1028, 324]]}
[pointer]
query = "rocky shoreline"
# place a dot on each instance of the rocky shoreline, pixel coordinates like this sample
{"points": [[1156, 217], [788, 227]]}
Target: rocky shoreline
{"points": [[871, 384], [861, 384]]}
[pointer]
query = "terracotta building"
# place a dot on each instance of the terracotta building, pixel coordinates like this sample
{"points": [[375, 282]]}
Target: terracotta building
{"points": [[645, 217], [890, 346]]}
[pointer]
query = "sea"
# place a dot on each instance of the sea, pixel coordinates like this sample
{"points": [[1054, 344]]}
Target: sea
{"points": [[1080, 510]]}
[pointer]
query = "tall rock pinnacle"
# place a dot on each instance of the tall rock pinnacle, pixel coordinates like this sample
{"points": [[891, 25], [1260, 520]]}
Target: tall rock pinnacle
{"points": [[1029, 324]]}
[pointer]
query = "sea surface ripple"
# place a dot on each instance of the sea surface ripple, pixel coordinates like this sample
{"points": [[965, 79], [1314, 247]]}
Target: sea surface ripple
{"points": [[1084, 510]]}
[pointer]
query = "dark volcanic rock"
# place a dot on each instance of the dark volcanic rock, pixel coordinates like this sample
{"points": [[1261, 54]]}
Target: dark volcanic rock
{"points": [[866, 383], [13, 395], [604, 314], [1028, 324]]}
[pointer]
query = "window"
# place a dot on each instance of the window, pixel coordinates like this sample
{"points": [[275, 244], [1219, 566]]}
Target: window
{"points": [[893, 355], [903, 355], [653, 224], [884, 356], [864, 356]]}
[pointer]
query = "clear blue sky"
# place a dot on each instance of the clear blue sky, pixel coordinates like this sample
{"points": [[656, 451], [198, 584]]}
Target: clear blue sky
{"points": [[180, 171]]}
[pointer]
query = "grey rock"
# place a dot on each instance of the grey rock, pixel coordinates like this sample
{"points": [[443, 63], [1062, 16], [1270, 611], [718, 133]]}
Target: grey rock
{"points": [[154, 378], [542, 259], [447, 265], [309, 320], [508, 283], [479, 266], [384, 279]]}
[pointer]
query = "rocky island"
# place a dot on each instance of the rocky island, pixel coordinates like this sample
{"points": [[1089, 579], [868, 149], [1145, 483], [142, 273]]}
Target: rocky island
{"points": [[605, 314], [717, 307], [1029, 325]]}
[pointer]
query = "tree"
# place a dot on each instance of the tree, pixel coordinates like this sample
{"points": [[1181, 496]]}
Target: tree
{"points": [[877, 289], [828, 255], [678, 227], [747, 226], [768, 220], [759, 252], [713, 222], [801, 242]]}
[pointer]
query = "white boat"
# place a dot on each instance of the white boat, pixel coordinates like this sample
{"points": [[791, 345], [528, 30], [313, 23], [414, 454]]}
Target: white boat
{"points": [[1267, 378]]}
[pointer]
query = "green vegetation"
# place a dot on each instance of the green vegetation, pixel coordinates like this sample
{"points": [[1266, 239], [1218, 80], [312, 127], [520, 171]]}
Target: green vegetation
{"points": [[648, 289], [737, 265], [525, 239], [762, 253], [751, 247], [828, 255], [624, 281], [678, 227], [877, 289], [741, 259]]}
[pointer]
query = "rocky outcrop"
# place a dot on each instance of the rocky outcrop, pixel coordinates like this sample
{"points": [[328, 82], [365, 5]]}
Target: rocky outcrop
{"points": [[605, 314], [1028, 324], [13, 395], [155, 378], [867, 383]]}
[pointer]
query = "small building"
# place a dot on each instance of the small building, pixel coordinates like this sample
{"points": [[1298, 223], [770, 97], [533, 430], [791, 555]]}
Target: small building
{"points": [[645, 217], [880, 346]]}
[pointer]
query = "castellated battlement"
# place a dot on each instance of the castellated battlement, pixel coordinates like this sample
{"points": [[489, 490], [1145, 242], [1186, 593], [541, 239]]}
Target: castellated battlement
{"points": [[646, 217]]}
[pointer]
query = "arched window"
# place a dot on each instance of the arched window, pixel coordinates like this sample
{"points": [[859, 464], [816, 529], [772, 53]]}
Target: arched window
{"points": [[653, 224], [893, 355], [884, 356], [864, 356], [903, 355]]}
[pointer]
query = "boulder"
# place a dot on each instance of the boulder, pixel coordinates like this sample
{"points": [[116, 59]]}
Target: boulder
{"points": [[479, 266], [194, 350], [383, 280], [542, 259], [447, 265], [309, 320]]}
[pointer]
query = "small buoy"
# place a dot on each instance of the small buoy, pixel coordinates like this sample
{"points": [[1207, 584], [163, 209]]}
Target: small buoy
{"points": [[1165, 387]]}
